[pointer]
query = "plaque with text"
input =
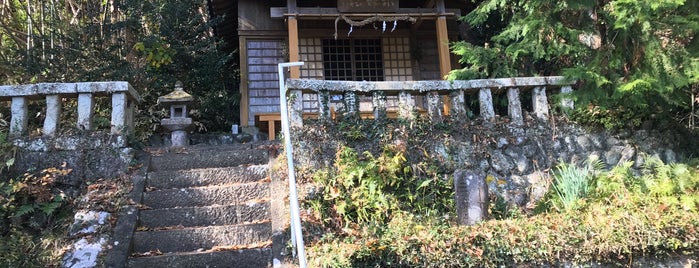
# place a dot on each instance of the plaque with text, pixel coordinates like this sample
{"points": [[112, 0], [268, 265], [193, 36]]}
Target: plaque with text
{"points": [[377, 6]]}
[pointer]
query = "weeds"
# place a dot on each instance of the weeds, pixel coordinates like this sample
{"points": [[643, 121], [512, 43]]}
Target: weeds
{"points": [[34, 215], [624, 216], [572, 183]]}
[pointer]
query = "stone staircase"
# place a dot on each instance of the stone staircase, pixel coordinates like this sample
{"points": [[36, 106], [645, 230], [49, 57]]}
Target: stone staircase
{"points": [[205, 207]]}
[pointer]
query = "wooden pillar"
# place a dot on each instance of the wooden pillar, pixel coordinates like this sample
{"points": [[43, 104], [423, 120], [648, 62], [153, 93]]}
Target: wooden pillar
{"points": [[443, 49], [295, 71], [244, 101]]}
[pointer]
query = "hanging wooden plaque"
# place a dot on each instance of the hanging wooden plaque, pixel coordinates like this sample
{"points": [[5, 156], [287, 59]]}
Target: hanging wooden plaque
{"points": [[376, 6]]}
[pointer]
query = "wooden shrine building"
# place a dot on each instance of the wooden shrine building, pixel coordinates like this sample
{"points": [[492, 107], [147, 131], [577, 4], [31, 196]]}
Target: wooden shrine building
{"points": [[358, 40]]}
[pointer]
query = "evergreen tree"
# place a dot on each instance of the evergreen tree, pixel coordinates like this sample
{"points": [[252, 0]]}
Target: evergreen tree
{"points": [[151, 44], [631, 58]]}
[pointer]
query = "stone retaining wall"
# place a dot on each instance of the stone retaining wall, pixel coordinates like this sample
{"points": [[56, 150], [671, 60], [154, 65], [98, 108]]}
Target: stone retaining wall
{"points": [[91, 157], [516, 160]]}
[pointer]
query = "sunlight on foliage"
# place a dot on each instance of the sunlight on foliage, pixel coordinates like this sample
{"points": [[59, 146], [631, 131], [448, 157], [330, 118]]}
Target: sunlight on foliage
{"points": [[657, 209]]}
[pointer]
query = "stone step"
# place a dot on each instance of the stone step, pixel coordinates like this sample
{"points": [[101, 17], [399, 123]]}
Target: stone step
{"points": [[255, 257], [206, 196], [201, 238], [169, 179], [209, 157], [204, 216]]}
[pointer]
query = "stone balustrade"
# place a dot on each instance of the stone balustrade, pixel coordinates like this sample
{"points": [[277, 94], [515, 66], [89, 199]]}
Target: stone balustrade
{"points": [[433, 92], [123, 98]]}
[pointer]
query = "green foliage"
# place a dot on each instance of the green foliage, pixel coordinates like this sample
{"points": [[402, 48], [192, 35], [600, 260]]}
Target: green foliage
{"points": [[157, 54], [571, 183], [7, 152], [631, 59], [33, 220], [657, 209], [662, 184], [31, 199], [151, 44], [369, 190], [19, 248]]}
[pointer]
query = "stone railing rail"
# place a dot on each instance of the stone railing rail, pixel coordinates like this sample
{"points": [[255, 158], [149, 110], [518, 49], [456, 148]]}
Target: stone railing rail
{"points": [[123, 97], [433, 91]]}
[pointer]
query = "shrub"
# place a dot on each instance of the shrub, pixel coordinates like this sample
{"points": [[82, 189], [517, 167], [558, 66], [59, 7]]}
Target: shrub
{"points": [[625, 216], [364, 189]]}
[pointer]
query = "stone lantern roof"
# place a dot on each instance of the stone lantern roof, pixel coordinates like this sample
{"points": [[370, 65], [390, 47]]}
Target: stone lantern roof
{"points": [[178, 96]]}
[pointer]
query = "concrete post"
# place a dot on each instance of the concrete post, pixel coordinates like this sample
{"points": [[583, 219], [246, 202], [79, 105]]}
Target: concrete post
{"points": [[485, 99], [20, 115], [433, 107], [379, 103], [118, 113], [540, 103], [324, 105], [86, 107], [351, 104], [458, 109], [471, 196], [53, 114], [296, 111], [566, 100], [406, 105], [130, 113], [514, 106]]}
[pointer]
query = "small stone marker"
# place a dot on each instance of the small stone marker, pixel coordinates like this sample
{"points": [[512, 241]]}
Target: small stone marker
{"points": [[471, 197]]}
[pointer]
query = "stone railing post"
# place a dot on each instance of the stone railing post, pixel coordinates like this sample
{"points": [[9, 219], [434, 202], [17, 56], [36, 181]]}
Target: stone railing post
{"points": [[86, 108], [566, 100], [514, 106], [296, 111], [20, 114], [485, 99], [53, 114], [540, 103], [130, 114], [119, 104], [324, 105], [458, 109], [351, 104], [406, 105], [433, 107], [379, 102]]}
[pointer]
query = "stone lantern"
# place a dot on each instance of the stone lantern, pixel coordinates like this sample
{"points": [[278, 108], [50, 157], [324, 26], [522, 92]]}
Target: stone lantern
{"points": [[178, 123]]}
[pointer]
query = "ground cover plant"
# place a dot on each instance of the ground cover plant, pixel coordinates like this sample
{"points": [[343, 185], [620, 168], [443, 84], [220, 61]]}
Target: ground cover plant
{"points": [[34, 215], [621, 216]]}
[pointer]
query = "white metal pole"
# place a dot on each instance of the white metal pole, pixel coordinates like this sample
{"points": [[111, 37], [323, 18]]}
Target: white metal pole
{"points": [[296, 234]]}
